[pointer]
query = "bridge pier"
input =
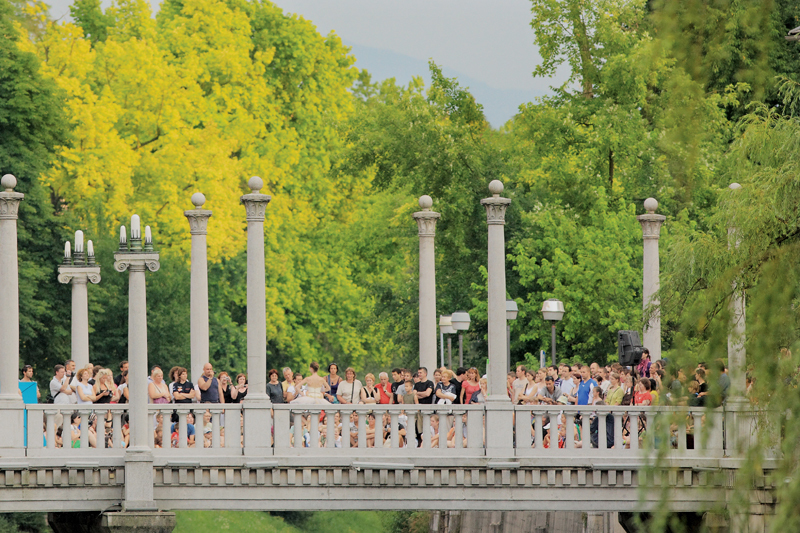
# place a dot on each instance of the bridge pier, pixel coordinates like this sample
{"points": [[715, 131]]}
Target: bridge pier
{"points": [[112, 522]]}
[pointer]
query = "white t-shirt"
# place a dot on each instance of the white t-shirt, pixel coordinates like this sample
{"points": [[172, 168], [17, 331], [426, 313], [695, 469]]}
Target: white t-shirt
{"points": [[87, 391], [348, 391], [55, 387]]}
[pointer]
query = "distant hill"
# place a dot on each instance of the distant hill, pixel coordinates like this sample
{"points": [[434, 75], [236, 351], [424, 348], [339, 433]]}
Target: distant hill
{"points": [[499, 105]]}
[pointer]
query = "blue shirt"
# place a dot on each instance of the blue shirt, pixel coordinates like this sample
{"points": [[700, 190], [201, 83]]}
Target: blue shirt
{"points": [[585, 391]]}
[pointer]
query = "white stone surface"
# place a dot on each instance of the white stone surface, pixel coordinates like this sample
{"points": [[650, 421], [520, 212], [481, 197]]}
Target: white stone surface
{"points": [[651, 231], [198, 319], [426, 225]]}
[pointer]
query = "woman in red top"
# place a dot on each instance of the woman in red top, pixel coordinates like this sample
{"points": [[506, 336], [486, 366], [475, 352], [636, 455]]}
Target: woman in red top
{"points": [[384, 389], [643, 396], [469, 386]]}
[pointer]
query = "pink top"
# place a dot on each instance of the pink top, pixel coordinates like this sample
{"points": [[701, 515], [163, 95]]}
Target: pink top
{"points": [[469, 389]]}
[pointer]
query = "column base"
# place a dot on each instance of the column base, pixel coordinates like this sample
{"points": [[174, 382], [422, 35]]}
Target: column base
{"points": [[139, 481], [499, 428], [257, 427], [111, 522], [12, 411]]}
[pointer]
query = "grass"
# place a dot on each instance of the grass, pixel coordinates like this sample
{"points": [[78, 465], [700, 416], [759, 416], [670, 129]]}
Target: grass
{"points": [[261, 522]]}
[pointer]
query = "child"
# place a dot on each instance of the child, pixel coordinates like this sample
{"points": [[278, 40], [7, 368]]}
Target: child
{"points": [[410, 396]]}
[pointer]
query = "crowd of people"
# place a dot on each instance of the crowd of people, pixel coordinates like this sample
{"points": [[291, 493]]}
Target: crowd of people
{"points": [[643, 385]]}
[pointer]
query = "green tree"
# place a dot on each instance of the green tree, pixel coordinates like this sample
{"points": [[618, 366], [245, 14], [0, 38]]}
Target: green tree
{"points": [[32, 127]]}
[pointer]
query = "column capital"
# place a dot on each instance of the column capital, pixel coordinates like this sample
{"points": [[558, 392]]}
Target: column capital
{"points": [[78, 274], [198, 220], [9, 204], [651, 225], [136, 261], [426, 219], [255, 203], [496, 209]]}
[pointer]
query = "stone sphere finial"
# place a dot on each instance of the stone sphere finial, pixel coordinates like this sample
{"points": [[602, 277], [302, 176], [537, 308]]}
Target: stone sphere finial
{"points": [[8, 182], [198, 199], [425, 202], [734, 186], [255, 184], [496, 187], [650, 205]]}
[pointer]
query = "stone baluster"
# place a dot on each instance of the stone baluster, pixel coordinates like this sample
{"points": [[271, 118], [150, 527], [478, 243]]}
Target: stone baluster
{"points": [[10, 418], [499, 411], [198, 224], [426, 223], [79, 269], [651, 231], [257, 405], [137, 258]]}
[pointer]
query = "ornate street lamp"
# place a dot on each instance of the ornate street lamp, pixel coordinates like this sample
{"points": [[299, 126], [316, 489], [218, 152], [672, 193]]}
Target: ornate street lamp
{"points": [[511, 314], [460, 322], [446, 328], [553, 310]]}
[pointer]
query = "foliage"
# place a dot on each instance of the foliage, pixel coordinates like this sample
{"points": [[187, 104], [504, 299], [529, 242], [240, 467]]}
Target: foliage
{"points": [[31, 129]]}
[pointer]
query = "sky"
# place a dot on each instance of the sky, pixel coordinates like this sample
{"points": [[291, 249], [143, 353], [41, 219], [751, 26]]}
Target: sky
{"points": [[487, 45]]}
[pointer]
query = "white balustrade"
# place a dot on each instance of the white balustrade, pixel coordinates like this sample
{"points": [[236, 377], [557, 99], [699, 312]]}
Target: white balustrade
{"points": [[310, 430], [608, 432], [616, 431]]}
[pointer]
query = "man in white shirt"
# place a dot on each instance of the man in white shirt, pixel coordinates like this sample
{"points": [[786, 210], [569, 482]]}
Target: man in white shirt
{"points": [[567, 383], [59, 388]]}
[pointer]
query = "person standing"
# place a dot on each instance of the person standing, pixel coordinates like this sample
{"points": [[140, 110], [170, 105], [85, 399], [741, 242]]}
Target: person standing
{"points": [[520, 384], [210, 389], [60, 390], [349, 390], [123, 367], [274, 388], [583, 394], [184, 391], [239, 392], [424, 387], [28, 388]]}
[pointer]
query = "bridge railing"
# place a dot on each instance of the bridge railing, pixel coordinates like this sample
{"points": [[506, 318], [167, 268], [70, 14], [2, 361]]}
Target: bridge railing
{"points": [[217, 428], [376, 430], [49, 423], [616, 431]]}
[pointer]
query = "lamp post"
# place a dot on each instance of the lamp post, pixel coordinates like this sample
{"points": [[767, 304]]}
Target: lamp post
{"points": [[460, 322], [553, 310], [137, 257], [79, 269], [511, 314], [446, 328]]}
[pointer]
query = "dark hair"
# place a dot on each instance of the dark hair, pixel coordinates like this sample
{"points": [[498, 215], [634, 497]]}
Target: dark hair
{"points": [[315, 366], [646, 383], [154, 367], [122, 364], [460, 371], [522, 367], [297, 375], [74, 416], [549, 378], [329, 367], [58, 367], [273, 371], [422, 368], [700, 372], [397, 370], [719, 366]]}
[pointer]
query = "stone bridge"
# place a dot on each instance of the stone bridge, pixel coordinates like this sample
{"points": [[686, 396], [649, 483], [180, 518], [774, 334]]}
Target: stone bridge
{"points": [[284, 457]]}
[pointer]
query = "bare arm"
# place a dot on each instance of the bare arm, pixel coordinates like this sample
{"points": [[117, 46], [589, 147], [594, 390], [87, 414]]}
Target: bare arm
{"points": [[204, 383]]}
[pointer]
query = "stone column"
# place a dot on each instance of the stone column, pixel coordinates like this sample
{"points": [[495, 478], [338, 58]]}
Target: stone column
{"points": [[257, 405], [651, 230], [737, 356], [138, 456], [79, 271], [426, 224], [499, 415], [198, 224], [9, 318]]}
